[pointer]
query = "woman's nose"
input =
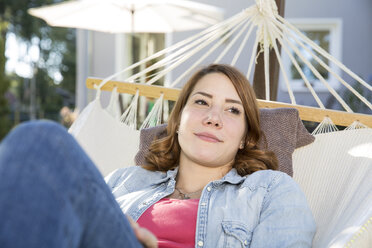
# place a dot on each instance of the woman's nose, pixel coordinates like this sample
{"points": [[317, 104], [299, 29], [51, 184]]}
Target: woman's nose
{"points": [[213, 119]]}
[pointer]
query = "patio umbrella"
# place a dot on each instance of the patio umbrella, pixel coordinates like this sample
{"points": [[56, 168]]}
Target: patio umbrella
{"points": [[130, 16]]}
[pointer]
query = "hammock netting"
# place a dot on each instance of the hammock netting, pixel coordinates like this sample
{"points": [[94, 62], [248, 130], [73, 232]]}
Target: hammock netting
{"points": [[261, 23]]}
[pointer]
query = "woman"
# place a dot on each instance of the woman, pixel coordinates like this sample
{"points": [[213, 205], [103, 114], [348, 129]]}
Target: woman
{"points": [[206, 183]]}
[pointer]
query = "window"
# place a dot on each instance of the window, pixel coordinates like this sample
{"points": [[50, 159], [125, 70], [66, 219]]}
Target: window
{"points": [[327, 34]]}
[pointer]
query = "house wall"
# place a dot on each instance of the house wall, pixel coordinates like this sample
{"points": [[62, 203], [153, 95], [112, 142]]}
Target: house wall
{"points": [[98, 56]]}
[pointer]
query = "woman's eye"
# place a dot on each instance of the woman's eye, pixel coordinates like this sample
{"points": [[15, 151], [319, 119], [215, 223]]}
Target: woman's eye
{"points": [[201, 102], [234, 110]]}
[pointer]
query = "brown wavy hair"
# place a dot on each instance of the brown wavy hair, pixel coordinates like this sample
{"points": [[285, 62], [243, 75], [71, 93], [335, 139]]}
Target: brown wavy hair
{"points": [[164, 152]]}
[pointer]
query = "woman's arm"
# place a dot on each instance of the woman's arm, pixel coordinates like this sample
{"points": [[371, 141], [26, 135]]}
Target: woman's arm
{"points": [[285, 219]]}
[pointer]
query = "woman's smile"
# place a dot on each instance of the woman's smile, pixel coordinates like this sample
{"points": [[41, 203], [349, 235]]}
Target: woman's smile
{"points": [[208, 137]]}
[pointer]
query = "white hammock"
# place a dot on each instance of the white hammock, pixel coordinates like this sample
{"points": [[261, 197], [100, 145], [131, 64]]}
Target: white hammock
{"points": [[103, 137], [333, 172]]}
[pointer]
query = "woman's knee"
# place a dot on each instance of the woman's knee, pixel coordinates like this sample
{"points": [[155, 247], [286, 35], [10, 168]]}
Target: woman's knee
{"points": [[36, 139], [34, 131]]}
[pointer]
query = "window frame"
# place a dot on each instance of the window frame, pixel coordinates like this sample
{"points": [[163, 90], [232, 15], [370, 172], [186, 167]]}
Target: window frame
{"points": [[334, 26]]}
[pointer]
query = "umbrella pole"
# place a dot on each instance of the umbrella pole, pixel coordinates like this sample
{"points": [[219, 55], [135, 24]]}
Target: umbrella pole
{"points": [[121, 101], [259, 72], [132, 41]]}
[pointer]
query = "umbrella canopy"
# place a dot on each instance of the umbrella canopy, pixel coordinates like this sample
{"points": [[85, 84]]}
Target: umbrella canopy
{"points": [[130, 16]]}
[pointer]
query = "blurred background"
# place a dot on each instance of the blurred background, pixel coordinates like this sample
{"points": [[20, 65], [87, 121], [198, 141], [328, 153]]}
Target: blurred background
{"points": [[37, 67]]}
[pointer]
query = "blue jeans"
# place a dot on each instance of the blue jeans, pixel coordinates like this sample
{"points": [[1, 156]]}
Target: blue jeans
{"points": [[52, 195]]}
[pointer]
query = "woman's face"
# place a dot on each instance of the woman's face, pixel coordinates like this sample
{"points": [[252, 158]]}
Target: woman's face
{"points": [[212, 124]]}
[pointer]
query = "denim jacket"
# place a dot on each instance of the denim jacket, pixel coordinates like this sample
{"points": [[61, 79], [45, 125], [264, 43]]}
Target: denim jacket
{"points": [[264, 209]]}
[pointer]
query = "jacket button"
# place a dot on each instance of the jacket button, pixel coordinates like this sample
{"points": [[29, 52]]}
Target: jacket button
{"points": [[200, 243], [209, 188]]}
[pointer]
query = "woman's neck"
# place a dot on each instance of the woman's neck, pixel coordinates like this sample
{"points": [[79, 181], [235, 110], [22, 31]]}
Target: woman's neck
{"points": [[192, 177]]}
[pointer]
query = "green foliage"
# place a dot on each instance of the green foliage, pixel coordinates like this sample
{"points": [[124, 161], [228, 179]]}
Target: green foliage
{"points": [[353, 101], [57, 55], [4, 85], [23, 24]]}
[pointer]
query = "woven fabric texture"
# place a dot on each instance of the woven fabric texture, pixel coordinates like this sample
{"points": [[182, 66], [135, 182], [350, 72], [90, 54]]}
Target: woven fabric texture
{"points": [[335, 174], [103, 138]]}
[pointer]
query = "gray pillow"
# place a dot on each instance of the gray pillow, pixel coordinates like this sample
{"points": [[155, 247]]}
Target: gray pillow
{"points": [[283, 129]]}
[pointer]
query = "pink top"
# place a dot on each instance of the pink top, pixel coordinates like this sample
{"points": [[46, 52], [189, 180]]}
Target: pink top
{"points": [[172, 221]]}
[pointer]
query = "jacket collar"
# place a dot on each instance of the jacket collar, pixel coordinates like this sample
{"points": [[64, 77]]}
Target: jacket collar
{"points": [[231, 177], [169, 175]]}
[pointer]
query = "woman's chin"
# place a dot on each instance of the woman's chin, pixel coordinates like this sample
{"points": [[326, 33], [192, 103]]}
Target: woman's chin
{"points": [[208, 160]]}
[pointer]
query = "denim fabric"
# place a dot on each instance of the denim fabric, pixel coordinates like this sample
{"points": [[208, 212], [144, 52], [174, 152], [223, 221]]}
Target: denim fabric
{"points": [[51, 194], [264, 209]]}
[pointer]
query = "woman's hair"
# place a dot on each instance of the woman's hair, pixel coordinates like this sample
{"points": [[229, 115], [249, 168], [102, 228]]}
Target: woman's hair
{"points": [[164, 152]]}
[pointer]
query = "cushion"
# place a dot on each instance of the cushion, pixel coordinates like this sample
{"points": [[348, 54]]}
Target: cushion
{"points": [[284, 132], [283, 129], [103, 138]]}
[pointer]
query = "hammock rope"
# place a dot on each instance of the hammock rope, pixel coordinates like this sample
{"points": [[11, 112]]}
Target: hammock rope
{"points": [[166, 50], [266, 44], [275, 36], [348, 86], [214, 47], [302, 74], [271, 31], [154, 117], [326, 54], [356, 125], [129, 117], [204, 38], [249, 22], [326, 126], [314, 71]]}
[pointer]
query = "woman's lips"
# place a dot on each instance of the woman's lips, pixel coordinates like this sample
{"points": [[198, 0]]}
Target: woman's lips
{"points": [[208, 137]]}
